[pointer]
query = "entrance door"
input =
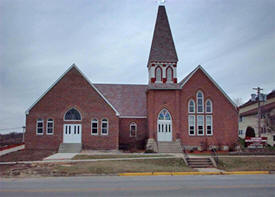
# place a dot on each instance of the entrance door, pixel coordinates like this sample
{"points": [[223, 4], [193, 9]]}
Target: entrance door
{"points": [[164, 126], [72, 133]]}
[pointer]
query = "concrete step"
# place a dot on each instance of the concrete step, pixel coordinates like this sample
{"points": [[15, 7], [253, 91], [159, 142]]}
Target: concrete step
{"points": [[70, 148], [169, 147], [200, 162]]}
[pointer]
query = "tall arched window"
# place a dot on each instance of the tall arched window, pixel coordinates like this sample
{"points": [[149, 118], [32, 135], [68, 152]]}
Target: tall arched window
{"points": [[169, 74], [208, 106], [191, 106], [199, 102], [158, 74], [72, 114], [94, 127], [50, 126], [104, 127], [39, 126]]}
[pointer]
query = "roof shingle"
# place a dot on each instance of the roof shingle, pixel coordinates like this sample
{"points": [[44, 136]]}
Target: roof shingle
{"points": [[162, 48], [127, 99]]}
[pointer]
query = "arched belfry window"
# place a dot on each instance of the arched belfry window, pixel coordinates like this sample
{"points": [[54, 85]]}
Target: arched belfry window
{"points": [[191, 106], [72, 114], [200, 102], [158, 74], [169, 74]]}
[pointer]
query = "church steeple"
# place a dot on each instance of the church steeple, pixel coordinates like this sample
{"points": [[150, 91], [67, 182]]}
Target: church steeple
{"points": [[162, 62]]}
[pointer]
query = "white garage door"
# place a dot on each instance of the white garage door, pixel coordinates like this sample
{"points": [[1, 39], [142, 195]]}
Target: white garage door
{"points": [[72, 133]]}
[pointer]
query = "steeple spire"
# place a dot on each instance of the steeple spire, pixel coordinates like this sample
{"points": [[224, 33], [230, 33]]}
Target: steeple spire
{"points": [[162, 62], [162, 48]]}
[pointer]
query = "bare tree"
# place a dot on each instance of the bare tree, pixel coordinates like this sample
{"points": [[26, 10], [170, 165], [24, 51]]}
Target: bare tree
{"points": [[238, 101]]}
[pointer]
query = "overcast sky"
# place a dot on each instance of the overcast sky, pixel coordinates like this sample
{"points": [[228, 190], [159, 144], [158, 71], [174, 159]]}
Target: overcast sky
{"points": [[110, 42]]}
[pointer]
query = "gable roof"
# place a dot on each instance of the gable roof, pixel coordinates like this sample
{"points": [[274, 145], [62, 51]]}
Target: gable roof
{"points": [[199, 67], [162, 48], [70, 68], [129, 100]]}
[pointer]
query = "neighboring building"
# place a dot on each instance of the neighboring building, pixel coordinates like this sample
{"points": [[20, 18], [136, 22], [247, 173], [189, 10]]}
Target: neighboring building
{"points": [[194, 112], [248, 120]]}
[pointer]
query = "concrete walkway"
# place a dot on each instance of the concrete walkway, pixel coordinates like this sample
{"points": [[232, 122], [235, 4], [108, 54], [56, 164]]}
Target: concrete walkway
{"points": [[81, 160], [61, 156]]}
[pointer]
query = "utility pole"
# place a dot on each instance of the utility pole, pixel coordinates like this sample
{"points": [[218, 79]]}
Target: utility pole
{"points": [[259, 110], [23, 139]]}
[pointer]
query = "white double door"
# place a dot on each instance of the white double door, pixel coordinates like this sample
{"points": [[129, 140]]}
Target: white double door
{"points": [[165, 130], [72, 133]]}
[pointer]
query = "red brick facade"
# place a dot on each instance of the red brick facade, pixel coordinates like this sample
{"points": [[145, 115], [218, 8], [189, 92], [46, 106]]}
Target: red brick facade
{"points": [[71, 91], [123, 104], [225, 115]]}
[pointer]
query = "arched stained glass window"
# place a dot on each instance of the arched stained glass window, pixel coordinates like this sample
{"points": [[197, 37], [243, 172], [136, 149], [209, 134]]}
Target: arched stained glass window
{"points": [[72, 114], [208, 107], [164, 115], [191, 106], [200, 102]]}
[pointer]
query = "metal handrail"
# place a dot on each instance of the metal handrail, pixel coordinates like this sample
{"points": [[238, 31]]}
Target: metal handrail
{"points": [[215, 155]]}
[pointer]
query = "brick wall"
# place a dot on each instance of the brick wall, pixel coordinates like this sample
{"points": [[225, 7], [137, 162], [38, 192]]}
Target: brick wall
{"points": [[128, 142], [71, 91], [225, 116]]}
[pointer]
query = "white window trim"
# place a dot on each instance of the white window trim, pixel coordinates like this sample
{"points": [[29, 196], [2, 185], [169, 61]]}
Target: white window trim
{"points": [[133, 123], [210, 125], [201, 102], [211, 111], [94, 121], [38, 121], [72, 120], [199, 125], [107, 126], [52, 127], [189, 106], [194, 117]]}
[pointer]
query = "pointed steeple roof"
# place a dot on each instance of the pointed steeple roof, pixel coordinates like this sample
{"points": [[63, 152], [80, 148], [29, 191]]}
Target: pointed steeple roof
{"points": [[162, 48]]}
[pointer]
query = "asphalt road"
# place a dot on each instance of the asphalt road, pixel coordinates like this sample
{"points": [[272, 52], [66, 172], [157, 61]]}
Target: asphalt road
{"points": [[114, 186]]}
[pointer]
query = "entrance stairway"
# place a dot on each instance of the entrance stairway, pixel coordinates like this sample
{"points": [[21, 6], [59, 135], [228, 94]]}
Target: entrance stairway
{"points": [[169, 147], [201, 162], [70, 148]]}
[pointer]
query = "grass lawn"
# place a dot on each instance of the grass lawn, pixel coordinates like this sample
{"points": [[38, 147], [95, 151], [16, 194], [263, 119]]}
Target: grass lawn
{"points": [[246, 163], [95, 168], [111, 156]]}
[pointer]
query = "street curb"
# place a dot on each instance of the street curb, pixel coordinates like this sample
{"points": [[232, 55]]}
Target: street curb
{"points": [[193, 173]]}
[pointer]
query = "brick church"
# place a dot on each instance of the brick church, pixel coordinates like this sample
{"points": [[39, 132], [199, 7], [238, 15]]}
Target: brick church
{"points": [[193, 112]]}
